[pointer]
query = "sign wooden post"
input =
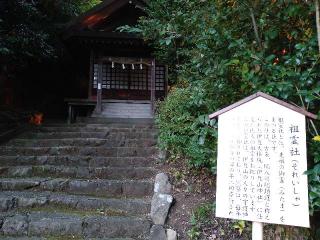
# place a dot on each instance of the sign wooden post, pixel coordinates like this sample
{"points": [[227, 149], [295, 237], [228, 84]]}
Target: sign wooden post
{"points": [[257, 231], [261, 160]]}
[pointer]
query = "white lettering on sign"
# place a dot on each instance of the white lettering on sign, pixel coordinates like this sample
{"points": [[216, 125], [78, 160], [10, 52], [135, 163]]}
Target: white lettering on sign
{"points": [[99, 86], [261, 161]]}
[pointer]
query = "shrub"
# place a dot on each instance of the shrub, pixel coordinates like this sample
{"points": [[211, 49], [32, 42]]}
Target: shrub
{"points": [[184, 130]]}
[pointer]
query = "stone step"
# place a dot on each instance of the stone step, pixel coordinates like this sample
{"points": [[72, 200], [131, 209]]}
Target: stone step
{"points": [[128, 111], [126, 105], [103, 120], [121, 124], [131, 112], [97, 187], [121, 106], [77, 160], [117, 123], [71, 226], [103, 135], [90, 180], [92, 128], [123, 110], [112, 173], [84, 151], [93, 142], [50, 238], [132, 109], [127, 115], [10, 201]]}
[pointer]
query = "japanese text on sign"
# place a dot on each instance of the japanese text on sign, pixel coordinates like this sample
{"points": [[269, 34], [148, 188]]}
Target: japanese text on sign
{"points": [[261, 159]]}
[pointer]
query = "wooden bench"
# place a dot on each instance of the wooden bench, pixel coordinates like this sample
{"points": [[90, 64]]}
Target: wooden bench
{"points": [[73, 102]]}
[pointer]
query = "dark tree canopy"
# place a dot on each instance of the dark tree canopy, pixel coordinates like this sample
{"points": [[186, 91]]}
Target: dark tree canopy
{"points": [[32, 56], [29, 29]]}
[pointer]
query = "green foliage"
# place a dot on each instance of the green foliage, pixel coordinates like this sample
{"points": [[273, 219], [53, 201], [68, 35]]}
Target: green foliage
{"points": [[214, 53], [240, 225], [216, 59], [283, 232], [314, 178], [29, 30], [199, 217], [188, 132]]}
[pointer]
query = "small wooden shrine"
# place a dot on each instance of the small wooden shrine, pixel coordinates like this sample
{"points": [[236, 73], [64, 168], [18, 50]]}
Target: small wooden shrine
{"points": [[115, 65]]}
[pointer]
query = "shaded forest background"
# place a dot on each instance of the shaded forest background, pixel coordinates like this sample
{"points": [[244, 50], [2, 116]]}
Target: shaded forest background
{"points": [[36, 71]]}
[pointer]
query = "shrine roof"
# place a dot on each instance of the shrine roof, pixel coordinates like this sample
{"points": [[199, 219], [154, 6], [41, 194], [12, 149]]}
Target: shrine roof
{"points": [[106, 17], [266, 96]]}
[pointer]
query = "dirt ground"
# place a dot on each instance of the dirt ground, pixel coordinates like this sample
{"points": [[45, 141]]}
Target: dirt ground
{"points": [[192, 189]]}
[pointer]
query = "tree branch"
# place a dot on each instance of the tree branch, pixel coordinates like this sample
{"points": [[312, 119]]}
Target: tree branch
{"points": [[255, 27], [318, 21]]}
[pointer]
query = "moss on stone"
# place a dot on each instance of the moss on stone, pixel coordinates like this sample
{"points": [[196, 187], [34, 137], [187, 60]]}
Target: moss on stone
{"points": [[83, 213]]}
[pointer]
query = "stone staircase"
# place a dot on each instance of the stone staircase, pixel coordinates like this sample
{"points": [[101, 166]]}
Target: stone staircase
{"points": [[80, 181]]}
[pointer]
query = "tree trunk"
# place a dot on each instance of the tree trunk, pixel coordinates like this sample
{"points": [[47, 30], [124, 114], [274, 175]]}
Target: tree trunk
{"points": [[318, 22], [255, 27]]}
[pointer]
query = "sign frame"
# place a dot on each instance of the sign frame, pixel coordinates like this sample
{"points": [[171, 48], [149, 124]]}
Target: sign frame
{"points": [[257, 230]]}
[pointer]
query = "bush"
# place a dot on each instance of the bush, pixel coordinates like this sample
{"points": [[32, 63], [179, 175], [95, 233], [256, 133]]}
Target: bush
{"points": [[225, 51], [184, 131]]}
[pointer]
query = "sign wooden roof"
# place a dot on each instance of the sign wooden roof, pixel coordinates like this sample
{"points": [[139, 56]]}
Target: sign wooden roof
{"points": [[266, 96]]}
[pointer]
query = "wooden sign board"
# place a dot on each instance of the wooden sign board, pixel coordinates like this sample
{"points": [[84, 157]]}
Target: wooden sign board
{"points": [[261, 161]]}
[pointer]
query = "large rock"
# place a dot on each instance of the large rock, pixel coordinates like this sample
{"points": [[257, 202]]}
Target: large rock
{"points": [[171, 234], [157, 232], [15, 226], [162, 156], [162, 184], [160, 206]]}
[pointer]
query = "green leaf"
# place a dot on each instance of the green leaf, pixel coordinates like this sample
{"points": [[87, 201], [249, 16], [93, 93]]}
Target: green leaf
{"points": [[204, 119], [270, 58], [233, 62], [299, 46], [4, 51], [212, 122], [168, 41], [244, 69], [201, 140], [272, 33]]}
